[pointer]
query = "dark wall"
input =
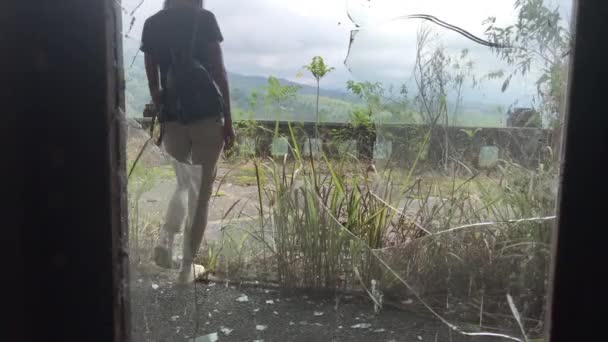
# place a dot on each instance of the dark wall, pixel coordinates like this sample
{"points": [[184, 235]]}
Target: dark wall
{"points": [[520, 145], [580, 253], [61, 70]]}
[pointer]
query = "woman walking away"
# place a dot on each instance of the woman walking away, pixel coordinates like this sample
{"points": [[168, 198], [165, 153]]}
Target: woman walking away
{"points": [[189, 88]]}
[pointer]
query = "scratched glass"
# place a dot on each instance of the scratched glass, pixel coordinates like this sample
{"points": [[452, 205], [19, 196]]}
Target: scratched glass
{"points": [[402, 190]]}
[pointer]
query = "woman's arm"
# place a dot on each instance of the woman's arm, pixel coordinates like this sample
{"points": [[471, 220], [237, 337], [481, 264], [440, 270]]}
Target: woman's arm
{"points": [[152, 72]]}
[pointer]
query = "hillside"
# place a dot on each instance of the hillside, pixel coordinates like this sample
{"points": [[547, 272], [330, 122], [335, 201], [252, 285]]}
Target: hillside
{"points": [[334, 105], [249, 83]]}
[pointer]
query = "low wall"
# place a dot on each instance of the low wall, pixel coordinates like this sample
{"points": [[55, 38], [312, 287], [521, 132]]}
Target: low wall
{"points": [[399, 143]]}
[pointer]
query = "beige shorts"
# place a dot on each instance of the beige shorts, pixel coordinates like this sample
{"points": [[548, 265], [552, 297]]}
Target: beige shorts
{"points": [[199, 143]]}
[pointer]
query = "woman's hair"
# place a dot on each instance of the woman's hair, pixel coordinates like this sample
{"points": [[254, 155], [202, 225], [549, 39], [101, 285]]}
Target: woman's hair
{"points": [[169, 3]]}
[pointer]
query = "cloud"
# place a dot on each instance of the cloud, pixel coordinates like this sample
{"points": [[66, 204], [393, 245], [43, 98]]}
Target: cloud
{"points": [[279, 37]]}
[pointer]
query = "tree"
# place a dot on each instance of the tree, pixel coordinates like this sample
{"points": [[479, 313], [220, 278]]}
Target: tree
{"points": [[361, 120], [538, 37], [438, 75], [319, 70], [371, 93], [278, 95], [432, 77], [379, 99], [252, 100]]}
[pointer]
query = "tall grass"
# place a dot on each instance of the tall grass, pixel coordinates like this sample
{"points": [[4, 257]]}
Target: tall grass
{"points": [[461, 245], [300, 198], [458, 243], [141, 226]]}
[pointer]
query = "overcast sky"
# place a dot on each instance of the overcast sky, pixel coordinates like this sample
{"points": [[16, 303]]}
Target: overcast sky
{"points": [[277, 37]]}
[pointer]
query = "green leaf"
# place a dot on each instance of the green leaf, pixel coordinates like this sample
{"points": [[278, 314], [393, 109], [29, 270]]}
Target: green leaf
{"points": [[505, 84]]}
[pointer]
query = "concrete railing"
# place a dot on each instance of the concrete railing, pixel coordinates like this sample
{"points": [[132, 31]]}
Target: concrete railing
{"points": [[399, 143]]}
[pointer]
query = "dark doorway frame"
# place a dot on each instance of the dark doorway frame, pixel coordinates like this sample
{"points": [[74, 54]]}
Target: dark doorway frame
{"points": [[62, 95], [578, 290], [62, 70]]}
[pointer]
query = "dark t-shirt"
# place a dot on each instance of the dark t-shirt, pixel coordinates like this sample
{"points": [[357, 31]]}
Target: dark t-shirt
{"points": [[172, 29]]}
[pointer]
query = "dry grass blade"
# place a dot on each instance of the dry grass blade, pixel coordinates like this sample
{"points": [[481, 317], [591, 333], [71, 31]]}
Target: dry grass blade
{"points": [[231, 208], [369, 293], [139, 155], [517, 316], [415, 293]]}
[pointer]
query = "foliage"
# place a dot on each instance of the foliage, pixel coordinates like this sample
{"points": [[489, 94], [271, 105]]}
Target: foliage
{"points": [[360, 118], [140, 227], [326, 225], [226, 256], [330, 109], [304, 201], [437, 76], [538, 38], [371, 93], [247, 128], [319, 70], [462, 70], [247, 139], [432, 80], [278, 93]]}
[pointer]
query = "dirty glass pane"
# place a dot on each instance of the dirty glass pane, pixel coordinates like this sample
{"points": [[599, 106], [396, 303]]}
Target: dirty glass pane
{"points": [[245, 147], [313, 147], [280, 147], [347, 148], [383, 149], [394, 177]]}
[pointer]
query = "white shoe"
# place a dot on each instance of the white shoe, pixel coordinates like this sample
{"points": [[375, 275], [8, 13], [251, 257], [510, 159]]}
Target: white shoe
{"points": [[189, 273], [163, 252]]}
